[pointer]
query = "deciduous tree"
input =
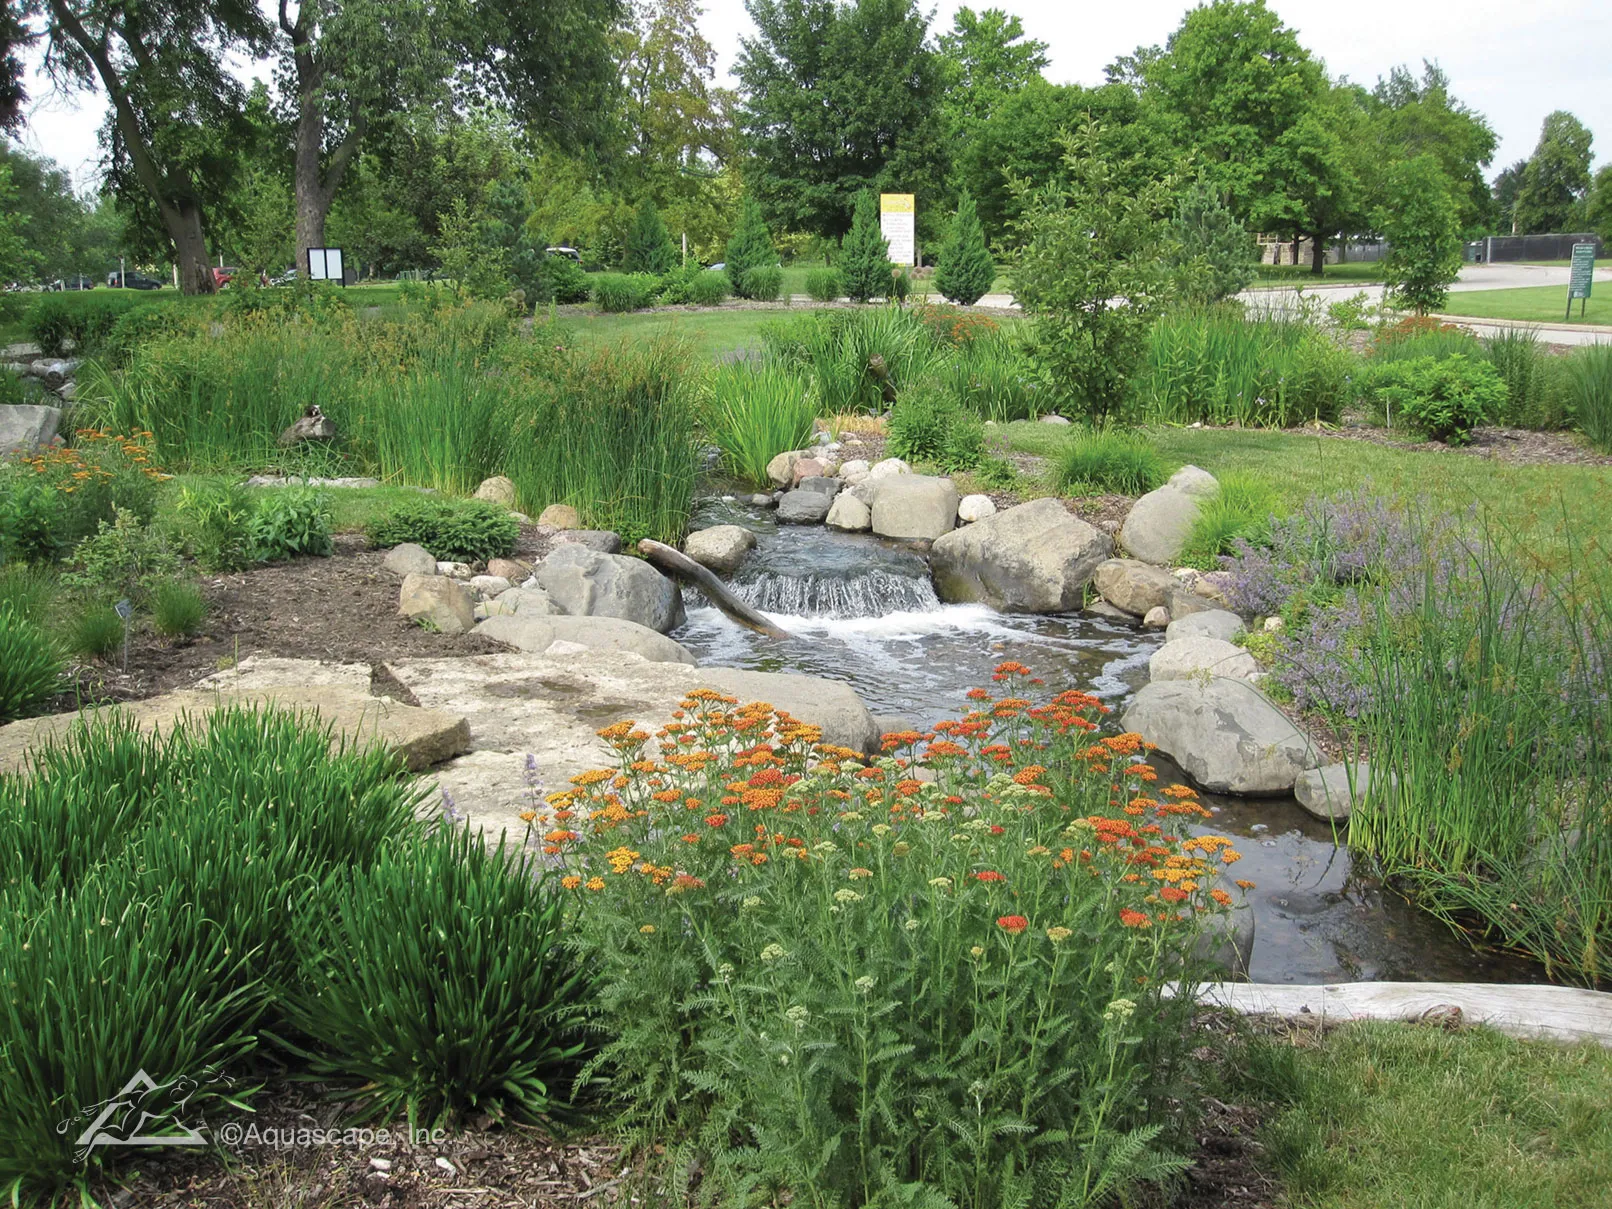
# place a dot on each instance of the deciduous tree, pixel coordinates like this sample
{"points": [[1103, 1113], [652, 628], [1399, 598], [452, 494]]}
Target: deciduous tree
{"points": [[1421, 222], [1557, 176], [984, 57]]}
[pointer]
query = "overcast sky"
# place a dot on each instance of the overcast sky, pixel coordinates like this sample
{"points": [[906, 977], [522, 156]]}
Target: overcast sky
{"points": [[1512, 60]]}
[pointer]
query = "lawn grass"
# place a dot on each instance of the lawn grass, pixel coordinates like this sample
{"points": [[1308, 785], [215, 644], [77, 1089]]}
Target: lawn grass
{"points": [[1533, 501], [712, 332], [1532, 304], [1366, 272], [1389, 1116]]}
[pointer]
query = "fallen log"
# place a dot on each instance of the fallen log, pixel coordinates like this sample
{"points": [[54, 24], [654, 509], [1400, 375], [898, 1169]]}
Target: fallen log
{"points": [[675, 562]]}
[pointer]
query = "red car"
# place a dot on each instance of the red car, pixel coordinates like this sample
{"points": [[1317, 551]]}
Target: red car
{"points": [[221, 276]]}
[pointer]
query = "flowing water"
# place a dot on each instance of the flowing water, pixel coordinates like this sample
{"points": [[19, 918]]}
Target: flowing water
{"points": [[863, 611]]}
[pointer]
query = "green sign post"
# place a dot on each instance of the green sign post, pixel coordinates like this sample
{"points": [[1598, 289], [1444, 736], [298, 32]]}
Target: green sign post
{"points": [[1582, 277]]}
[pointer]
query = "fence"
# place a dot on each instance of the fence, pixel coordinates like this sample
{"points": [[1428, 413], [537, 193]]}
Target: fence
{"points": [[1500, 249]]}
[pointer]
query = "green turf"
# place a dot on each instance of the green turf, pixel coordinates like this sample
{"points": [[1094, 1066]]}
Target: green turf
{"points": [[1363, 271], [713, 332], [1536, 503], [1533, 304], [1388, 1116]]}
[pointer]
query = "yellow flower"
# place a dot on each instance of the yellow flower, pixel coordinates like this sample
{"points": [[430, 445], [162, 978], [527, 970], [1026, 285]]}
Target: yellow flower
{"points": [[595, 884], [1058, 935], [847, 896], [648, 929], [976, 952], [571, 881]]}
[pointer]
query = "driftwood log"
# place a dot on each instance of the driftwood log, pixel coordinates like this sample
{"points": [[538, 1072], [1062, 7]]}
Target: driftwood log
{"points": [[675, 562]]}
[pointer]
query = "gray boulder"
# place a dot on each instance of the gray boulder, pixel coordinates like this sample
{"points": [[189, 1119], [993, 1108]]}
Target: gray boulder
{"points": [[830, 704], [538, 634], [1134, 586], [410, 560], [26, 426], [1035, 558], [1158, 524], [437, 602], [1182, 601], [1325, 792], [888, 468], [312, 425], [721, 547], [820, 483], [914, 506], [849, 514], [524, 602], [1226, 736], [1212, 623], [781, 470], [499, 489], [585, 583], [804, 508], [1200, 658], [602, 540], [489, 585]]}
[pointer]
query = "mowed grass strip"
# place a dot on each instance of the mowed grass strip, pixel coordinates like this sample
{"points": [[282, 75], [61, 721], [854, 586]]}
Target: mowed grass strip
{"points": [[1533, 304]]}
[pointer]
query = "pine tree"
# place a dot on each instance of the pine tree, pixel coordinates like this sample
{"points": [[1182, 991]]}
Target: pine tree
{"points": [[865, 253], [966, 270], [750, 246], [649, 247]]}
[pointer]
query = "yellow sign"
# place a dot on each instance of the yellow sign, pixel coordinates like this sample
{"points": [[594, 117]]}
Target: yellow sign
{"points": [[897, 203]]}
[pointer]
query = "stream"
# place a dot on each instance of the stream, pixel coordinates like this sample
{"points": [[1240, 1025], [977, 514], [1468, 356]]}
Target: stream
{"points": [[865, 613]]}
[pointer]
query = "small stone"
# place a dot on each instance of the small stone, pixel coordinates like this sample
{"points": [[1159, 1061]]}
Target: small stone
{"points": [[498, 489], [520, 518], [762, 501], [490, 585], [849, 514], [721, 548], [560, 516], [447, 1166], [381, 1164], [438, 602], [510, 568], [1052, 419], [455, 570], [854, 471], [781, 470], [973, 508], [1156, 618], [889, 467], [1274, 625], [820, 484], [409, 559]]}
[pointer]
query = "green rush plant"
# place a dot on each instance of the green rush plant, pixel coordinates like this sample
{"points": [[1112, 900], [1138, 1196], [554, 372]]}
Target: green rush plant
{"points": [[756, 412], [1240, 510], [1108, 461], [94, 631], [838, 349], [1536, 384], [851, 985], [1589, 386], [30, 665], [178, 608], [825, 285], [928, 426]]}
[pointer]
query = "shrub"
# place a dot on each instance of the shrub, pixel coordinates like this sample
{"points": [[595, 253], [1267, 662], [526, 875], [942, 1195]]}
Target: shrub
{"points": [[927, 426], [1589, 379], [440, 987], [1215, 256], [289, 523], [453, 531], [560, 279], [765, 283], [649, 248], [1239, 512], [618, 292], [124, 559], [177, 608], [85, 320], [31, 520], [1444, 399], [142, 325], [1423, 228], [675, 285], [749, 247], [94, 632], [771, 977], [215, 522], [824, 285], [965, 271], [708, 289], [30, 665], [1108, 461], [756, 413], [92, 480], [865, 253]]}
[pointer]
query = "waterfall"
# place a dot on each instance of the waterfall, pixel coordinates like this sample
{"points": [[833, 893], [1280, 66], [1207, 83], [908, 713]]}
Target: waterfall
{"points": [[875, 593]]}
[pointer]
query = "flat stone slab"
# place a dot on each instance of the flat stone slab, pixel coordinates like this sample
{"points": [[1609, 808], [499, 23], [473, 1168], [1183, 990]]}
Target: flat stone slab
{"points": [[423, 737], [1550, 1013], [1225, 734], [1194, 658], [537, 634], [1325, 794], [1211, 623]]}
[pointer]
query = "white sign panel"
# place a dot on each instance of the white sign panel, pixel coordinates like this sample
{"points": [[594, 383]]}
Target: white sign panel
{"points": [[324, 264], [898, 220]]}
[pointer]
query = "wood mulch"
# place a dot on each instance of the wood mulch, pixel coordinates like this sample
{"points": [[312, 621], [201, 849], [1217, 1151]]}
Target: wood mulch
{"points": [[1513, 446]]}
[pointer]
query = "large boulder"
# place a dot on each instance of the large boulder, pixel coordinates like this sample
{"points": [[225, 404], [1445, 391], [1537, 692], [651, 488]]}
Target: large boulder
{"points": [[1213, 623], [603, 540], [849, 514], [409, 559], [1158, 525], [914, 506], [721, 547], [1326, 794], [1035, 558], [1226, 736], [560, 516], [781, 470], [585, 583], [804, 508], [538, 634], [1134, 586], [26, 426], [437, 602], [1200, 658], [499, 490], [524, 602]]}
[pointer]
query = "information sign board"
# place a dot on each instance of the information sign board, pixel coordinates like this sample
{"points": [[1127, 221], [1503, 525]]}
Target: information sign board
{"points": [[898, 218]]}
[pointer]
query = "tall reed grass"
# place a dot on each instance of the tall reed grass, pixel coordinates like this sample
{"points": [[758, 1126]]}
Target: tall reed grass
{"points": [[755, 412], [1215, 366], [1536, 386], [855, 358], [1589, 376]]}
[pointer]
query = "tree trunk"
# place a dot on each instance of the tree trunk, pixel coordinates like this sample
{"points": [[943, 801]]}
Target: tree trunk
{"points": [[1318, 254], [315, 184], [184, 223]]}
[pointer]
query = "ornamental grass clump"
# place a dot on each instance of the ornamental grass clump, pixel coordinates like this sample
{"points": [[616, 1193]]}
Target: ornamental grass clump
{"points": [[756, 412], [935, 977]]}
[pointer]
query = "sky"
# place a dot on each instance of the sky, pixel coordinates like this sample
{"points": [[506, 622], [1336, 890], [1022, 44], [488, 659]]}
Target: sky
{"points": [[1512, 60]]}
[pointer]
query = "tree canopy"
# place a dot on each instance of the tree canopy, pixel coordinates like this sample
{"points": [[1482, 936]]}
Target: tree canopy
{"points": [[1557, 177]]}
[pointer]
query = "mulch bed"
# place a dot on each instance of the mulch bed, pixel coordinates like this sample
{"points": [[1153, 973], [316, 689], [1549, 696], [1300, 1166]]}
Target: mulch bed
{"points": [[1513, 446], [340, 609]]}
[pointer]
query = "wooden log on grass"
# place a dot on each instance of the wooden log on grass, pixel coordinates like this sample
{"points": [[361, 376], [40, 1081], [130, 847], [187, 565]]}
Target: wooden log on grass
{"points": [[675, 562]]}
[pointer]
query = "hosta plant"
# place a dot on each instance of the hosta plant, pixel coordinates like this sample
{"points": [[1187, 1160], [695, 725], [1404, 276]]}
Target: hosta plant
{"points": [[934, 978]]}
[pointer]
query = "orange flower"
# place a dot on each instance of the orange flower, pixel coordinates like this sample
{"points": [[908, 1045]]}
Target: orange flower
{"points": [[989, 875], [1221, 897], [1173, 894], [1012, 924], [1134, 919], [571, 881]]}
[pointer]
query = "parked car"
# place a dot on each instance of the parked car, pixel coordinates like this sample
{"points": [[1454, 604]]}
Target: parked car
{"points": [[289, 277], [222, 275], [134, 281], [76, 282], [568, 253]]}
